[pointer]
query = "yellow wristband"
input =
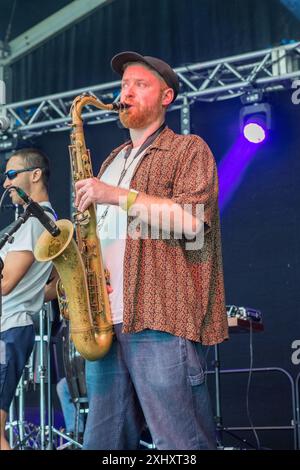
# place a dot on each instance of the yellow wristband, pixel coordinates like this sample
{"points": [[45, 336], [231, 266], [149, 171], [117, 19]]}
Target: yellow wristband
{"points": [[131, 197]]}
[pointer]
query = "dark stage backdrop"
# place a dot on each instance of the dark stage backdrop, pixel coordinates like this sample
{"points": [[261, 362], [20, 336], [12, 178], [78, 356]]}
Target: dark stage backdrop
{"points": [[260, 233], [181, 32]]}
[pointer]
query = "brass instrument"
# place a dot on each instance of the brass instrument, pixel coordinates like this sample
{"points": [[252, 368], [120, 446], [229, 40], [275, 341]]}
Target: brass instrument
{"points": [[82, 291]]}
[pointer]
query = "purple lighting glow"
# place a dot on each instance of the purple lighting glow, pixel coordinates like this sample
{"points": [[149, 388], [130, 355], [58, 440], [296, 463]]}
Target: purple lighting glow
{"points": [[255, 124], [233, 167]]}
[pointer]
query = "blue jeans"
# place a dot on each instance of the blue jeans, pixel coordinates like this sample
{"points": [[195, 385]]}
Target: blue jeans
{"points": [[68, 407], [149, 376], [16, 346]]}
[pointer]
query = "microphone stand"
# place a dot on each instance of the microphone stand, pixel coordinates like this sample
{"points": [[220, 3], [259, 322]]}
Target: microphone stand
{"points": [[7, 237]]}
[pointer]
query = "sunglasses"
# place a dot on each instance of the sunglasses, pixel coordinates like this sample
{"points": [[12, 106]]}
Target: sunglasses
{"points": [[11, 174]]}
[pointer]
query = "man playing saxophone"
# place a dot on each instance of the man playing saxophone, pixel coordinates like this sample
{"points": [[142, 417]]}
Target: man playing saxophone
{"points": [[158, 222]]}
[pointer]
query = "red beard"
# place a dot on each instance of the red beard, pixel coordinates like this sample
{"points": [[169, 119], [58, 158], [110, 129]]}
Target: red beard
{"points": [[137, 117]]}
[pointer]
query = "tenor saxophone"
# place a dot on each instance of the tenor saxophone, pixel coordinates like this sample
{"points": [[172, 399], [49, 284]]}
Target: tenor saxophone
{"points": [[82, 290]]}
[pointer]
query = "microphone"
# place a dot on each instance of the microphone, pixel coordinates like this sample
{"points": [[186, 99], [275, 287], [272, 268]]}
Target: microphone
{"points": [[37, 211]]}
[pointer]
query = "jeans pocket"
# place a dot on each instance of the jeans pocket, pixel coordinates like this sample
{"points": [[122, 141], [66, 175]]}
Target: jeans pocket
{"points": [[195, 362]]}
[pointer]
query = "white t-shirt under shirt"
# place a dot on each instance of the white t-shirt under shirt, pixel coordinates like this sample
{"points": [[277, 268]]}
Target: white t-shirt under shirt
{"points": [[27, 297], [112, 230]]}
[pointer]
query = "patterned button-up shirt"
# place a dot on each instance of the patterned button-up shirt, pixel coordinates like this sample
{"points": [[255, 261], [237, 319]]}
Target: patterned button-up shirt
{"points": [[166, 286]]}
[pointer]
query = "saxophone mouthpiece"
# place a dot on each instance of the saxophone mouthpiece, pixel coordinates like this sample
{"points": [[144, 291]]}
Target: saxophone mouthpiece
{"points": [[120, 106]]}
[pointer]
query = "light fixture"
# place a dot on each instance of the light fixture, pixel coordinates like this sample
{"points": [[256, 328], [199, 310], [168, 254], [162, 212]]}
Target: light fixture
{"points": [[255, 121]]}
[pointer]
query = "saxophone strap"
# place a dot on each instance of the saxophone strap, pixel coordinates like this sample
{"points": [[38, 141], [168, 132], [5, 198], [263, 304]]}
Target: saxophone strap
{"points": [[150, 139]]}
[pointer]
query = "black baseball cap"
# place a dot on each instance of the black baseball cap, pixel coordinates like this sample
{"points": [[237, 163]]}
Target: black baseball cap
{"points": [[161, 67]]}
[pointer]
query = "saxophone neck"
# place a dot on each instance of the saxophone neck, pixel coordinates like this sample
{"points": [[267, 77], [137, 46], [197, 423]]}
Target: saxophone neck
{"points": [[89, 99]]}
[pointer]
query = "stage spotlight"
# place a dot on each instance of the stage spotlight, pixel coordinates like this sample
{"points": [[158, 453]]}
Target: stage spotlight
{"points": [[255, 121], [254, 132]]}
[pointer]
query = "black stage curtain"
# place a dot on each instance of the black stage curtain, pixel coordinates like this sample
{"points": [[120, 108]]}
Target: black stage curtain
{"points": [[181, 32]]}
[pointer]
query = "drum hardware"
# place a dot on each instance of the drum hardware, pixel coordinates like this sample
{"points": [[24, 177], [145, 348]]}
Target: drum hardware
{"points": [[49, 431], [23, 434], [17, 426], [74, 366], [45, 371]]}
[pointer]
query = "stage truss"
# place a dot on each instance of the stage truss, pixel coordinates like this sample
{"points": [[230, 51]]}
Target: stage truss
{"points": [[266, 70]]}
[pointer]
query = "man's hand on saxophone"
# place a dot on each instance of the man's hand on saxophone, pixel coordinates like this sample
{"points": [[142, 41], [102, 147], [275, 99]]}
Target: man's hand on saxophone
{"points": [[92, 190], [158, 212]]}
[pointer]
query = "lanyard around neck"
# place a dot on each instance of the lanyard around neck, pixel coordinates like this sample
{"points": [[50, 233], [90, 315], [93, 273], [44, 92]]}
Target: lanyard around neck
{"points": [[150, 139]]}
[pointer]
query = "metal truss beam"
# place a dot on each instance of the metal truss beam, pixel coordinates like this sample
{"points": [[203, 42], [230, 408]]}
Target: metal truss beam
{"points": [[49, 27], [266, 70]]}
